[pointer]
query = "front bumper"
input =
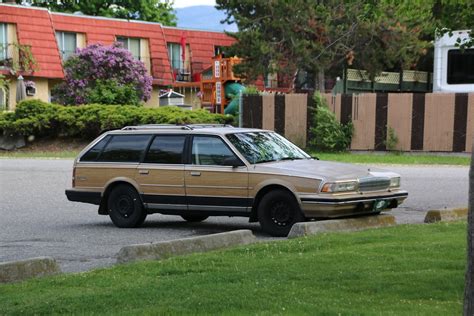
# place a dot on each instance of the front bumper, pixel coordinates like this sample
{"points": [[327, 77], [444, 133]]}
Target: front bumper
{"points": [[337, 206]]}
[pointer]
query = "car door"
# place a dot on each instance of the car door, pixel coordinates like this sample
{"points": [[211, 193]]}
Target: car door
{"points": [[161, 174], [216, 179]]}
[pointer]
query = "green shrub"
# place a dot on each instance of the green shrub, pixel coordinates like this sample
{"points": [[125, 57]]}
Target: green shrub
{"points": [[112, 92], [251, 90], [35, 117], [391, 141], [327, 134]]}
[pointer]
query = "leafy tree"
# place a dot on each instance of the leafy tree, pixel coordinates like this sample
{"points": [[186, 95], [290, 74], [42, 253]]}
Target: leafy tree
{"points": [[146, 10], [436, 17], [452, 15], [105, 75], [318, 36]]}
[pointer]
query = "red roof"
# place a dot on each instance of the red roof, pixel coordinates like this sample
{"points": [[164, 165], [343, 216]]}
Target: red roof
{"points": [[36, 27]]}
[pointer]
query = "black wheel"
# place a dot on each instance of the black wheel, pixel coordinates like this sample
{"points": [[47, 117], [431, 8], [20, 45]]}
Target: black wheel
{"points": [[277, 212], [194, 218], [125, 207]]}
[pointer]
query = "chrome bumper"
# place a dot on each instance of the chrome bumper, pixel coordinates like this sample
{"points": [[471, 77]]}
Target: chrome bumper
{"points": [[331, 206]]}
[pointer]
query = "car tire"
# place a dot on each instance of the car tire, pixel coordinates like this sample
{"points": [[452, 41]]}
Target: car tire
{"points": [[277, 212], [125, 207], [194, 218]]}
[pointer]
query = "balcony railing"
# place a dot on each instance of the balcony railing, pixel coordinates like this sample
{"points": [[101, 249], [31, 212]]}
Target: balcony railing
{"points": [[16, 57], [187, 71]]}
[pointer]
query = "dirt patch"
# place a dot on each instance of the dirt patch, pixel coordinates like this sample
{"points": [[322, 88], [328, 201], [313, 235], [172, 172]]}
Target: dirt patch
{"points": [[52, 145]]}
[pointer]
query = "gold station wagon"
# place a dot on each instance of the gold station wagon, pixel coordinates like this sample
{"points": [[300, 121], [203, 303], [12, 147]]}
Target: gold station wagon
{"points": [[197, 171]]}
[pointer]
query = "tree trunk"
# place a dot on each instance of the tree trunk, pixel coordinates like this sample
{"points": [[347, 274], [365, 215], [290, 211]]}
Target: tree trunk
{"points": [[469, 282], [321, 81]]}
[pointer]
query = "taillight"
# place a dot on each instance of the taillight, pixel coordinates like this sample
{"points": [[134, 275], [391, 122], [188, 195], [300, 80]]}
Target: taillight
{"points": [[73, 176]]}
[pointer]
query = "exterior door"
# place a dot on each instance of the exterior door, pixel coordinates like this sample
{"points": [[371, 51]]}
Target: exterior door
{"points": [[161, 174], [212, 183]]}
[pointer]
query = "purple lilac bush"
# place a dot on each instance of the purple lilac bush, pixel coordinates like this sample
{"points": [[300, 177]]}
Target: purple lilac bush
{"points": [[98, 70]]}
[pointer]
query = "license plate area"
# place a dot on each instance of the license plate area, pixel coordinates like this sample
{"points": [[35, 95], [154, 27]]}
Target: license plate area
{"points": [[380, 205]]}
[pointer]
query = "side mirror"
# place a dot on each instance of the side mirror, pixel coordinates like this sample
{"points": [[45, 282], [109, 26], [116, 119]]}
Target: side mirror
{"points": [[234, 162]]}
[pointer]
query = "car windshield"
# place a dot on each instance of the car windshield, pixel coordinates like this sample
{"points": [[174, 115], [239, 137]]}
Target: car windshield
{"points": [[259, 147]]}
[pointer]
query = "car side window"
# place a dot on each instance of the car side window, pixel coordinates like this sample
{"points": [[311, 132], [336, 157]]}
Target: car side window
{"points": [[94, 152], [125, 148], [208, 150], [166, 149]]}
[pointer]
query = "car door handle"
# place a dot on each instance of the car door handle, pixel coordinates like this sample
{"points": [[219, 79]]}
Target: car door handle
{"points": [[195, 173], [143, 171]]}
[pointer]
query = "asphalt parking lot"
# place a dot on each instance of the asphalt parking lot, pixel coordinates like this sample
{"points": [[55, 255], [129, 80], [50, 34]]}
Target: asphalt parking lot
{"points": [[37, 220]]}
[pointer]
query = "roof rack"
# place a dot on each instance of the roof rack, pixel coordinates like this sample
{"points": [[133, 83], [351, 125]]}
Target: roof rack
{"points": [[154, 126], [193, 126], [174, 126]]}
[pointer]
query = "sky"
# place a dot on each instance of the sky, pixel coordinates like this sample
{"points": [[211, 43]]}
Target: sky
{"points": [[189, 3]]}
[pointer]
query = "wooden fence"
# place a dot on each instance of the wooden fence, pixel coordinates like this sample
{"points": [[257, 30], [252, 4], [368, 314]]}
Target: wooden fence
{"points": [[422, 122]]}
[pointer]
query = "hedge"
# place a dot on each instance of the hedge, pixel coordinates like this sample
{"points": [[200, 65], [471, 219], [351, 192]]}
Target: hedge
{"points": [[42, 119]]}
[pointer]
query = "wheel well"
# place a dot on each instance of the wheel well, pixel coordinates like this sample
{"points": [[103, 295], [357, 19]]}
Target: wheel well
{"points": [[260, 195], [103, 209]]}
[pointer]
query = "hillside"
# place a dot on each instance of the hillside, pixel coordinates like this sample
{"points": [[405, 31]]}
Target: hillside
{"points": [[204, 18]]}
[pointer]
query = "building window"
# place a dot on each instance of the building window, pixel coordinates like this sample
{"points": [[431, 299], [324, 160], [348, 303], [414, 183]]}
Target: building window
{"points": [[67, 43], [3, 42], [175, 54], [3, 98], [132, 44], [461, 66], [271, 80], [218, 50]]}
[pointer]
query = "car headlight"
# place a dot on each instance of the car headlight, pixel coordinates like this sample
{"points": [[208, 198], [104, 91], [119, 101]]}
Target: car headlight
{"points": [[333, 187], [395, 182]]}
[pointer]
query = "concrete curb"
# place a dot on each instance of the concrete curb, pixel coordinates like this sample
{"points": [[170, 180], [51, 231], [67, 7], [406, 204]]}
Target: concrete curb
{"points": [[167, 249], [349, 224], [14, 271], [447, 215]]}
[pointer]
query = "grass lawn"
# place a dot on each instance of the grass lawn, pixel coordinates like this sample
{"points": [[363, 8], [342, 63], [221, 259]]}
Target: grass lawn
{"points": [[404, 159], [392, 158], [62, 148], [64, 154], [409, 269]]}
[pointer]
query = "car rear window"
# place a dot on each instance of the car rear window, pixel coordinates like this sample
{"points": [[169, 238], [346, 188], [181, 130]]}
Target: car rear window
{"points": [[95, 151], [125, 148], [166, 149]]}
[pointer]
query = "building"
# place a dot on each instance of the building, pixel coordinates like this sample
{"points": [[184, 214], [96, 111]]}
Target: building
{"points": [[52, 37]]}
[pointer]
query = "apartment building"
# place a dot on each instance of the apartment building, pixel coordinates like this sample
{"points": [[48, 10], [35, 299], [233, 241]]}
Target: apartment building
{"points": [[53, 37]]}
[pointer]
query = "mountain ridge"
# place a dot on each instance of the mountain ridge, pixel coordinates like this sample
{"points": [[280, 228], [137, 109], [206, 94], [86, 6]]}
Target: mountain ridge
{"points": [[203, 17]]}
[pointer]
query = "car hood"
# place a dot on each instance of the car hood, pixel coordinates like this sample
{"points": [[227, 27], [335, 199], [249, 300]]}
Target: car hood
{"points": [[320, 169]]}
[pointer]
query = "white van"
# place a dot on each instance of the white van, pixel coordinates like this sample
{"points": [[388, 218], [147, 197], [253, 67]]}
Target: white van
{"points": [[453, 69]]}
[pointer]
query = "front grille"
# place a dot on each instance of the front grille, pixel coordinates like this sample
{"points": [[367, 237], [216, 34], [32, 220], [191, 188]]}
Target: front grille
{"points": [[373, 184]]}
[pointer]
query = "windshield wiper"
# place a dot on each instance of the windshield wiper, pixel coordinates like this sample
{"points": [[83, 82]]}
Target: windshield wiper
{"points": [[280, 159], [291, 158]]}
